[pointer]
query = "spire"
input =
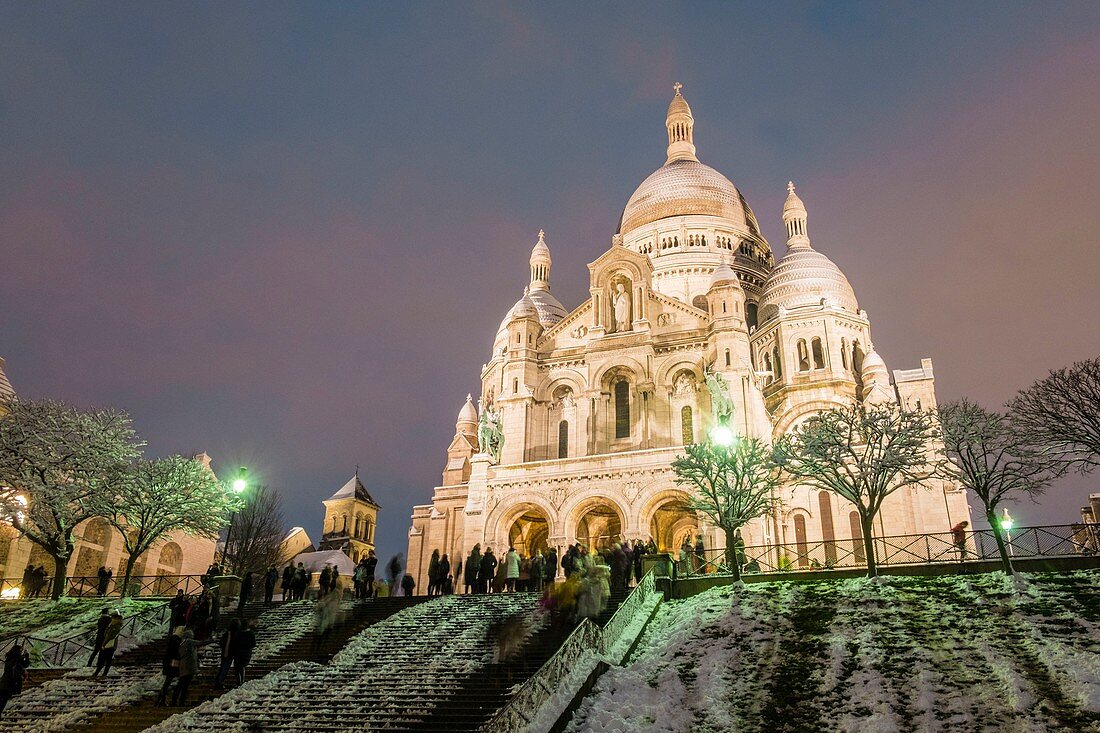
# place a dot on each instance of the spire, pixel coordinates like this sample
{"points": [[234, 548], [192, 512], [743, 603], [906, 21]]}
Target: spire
{"points": [[540, 264], [467, 417], [794, 218], [680, 126]]}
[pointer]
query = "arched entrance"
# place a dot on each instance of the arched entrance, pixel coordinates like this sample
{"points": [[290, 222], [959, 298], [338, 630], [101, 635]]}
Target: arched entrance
{"points": [[530, 533], [671, 523], [599, 527]]}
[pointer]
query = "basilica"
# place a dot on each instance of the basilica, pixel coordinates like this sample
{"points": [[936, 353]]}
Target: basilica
{"points": [[582, 411]]}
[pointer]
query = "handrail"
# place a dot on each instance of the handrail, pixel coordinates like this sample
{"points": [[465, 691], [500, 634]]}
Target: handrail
{"points": [[57, 652], [585, 639], [1077, 540], [87, 586]]}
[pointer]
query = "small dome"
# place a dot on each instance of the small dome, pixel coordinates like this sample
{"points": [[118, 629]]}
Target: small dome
{"points": [[541, 251], [805, 277], [686, 187], [524, 308], [467, 417], [723, 275], [793, 205], [547, 307]]}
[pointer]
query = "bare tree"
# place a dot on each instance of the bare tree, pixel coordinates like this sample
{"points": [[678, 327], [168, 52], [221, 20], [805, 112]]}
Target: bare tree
{"points": [[863, 453], [732, 485], [986, 455], [256, 532], [1061, 414], [160, 496], [57, 463]]}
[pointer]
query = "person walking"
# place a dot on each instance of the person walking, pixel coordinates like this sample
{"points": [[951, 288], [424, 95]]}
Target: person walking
{"points": [[322, 582], [372, 565], [473, 565], [225, 646], [958, 537], [241, 648], [550, 567], [485, 572], [700, 554], [101, 625], [288, 581], [16, 662], [189, 666], [433, 573], [171, 665], [109, 645], [270, 579], [511, 572], [246, 591]]}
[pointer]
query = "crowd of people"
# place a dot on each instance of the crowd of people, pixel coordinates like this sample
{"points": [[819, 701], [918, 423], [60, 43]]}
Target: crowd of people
{"points": [[35, 580]]}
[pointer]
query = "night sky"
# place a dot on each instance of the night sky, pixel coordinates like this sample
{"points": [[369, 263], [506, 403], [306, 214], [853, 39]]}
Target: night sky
{"points": [[285, 234]]}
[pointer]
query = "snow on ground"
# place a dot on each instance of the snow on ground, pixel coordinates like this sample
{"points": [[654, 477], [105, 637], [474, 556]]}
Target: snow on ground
{"points": [[47, 619], [955, 653]]}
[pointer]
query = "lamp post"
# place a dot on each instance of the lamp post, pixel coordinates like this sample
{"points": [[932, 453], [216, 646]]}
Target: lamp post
{"points": [[239, 485], [1006, 525]]}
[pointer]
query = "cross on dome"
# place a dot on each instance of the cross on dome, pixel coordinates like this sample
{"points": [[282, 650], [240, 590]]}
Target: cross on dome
{"points": [[542, 236], [677, 87], [790, 186]]}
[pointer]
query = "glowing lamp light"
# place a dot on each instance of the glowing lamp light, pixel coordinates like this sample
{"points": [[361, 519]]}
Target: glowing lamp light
{"points": [[722, 435], [10, 594], [1006, 521], [239, 483]]}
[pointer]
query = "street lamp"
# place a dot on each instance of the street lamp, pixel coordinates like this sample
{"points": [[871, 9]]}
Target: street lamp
{"points": [[239, 485], [1006, 525], [722, 435]]}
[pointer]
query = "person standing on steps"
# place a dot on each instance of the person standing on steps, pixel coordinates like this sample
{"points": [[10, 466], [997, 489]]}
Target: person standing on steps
{"points": [[288, 581], [171, 664], [485, 572], [359, 578], [433, 573], [189, 666], [394, 570], [301, 582], [444, 573], [408, 585], [110, 644], [372, 565], [241, 648], [549, 567], [225, 646], [511, 572], [473, 565], [322, 582], [334, 581], [246, 590], [270, 579], [16, 662], [958, 537], [100, 633]]}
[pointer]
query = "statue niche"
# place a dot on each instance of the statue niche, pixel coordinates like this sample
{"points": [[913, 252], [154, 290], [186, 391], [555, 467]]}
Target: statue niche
{"points": [[621, 304]]}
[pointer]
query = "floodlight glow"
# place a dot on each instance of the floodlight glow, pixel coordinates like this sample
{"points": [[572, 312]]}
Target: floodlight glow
{"points": [[722, 435], [10, 593], [240, 485], [1006, 521]]}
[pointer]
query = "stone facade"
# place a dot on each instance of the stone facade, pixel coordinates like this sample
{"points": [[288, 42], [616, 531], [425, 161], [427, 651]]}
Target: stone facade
{"points": [[351, 515], [597, 402]]}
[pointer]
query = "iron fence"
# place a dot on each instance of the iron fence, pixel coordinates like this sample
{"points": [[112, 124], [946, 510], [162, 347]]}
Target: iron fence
{"points": [[88, 586], [918, 549]]}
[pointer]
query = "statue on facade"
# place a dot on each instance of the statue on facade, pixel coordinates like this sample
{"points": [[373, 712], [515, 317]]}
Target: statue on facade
{"points": [[720, 402], [490, 430], [621, 302]]}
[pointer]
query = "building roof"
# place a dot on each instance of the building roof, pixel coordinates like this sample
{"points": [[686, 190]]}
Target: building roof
{"points": [[6, 390], [315, 562], [354, 489], [683, 188]]}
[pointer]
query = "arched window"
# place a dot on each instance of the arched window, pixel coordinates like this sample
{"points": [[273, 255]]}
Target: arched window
{"points": [[515, 386], [700, 302], [171, 558], [563, 439], [778, 363], [844, 353], [803, 356], [727, 357], [801, 550], [819, 353], [828, 534], [344, 526], [687, 430], [751, 315], [622, 409], [768, 364], [857, 538]]}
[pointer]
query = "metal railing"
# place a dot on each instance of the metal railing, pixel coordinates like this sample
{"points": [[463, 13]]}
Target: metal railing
{"points": [[87, 586], [587, 638], [900, 550], [60, 652]]}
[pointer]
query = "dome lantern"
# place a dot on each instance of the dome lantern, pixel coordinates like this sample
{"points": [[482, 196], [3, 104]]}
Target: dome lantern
{"points": [[794, 219], [540, 264], [680, 126]]}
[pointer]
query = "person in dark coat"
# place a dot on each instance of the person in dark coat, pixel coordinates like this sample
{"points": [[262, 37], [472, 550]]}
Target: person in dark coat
{"points": [[189, 666], [301, 582], [101, 586], [270, 579], [241, 648], [246, 590], [433, 573], [444, 573], [101, 625], [636, 559], [408, 585], [225, 646], [109, 645], [550, 566], [16, 662], [372, 566], [322, 582], [486, 571], [178, 606], [170, 664], [473, 566], [288, 581]]}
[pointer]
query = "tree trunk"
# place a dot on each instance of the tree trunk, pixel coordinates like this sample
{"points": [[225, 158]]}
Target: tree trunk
{"points": [[865, 522], [60, 575], [131, 560], [1006, 561], [731, 554]]}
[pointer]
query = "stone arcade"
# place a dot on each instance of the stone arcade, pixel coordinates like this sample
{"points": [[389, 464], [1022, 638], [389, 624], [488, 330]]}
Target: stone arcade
{"points": [[595, 403]]}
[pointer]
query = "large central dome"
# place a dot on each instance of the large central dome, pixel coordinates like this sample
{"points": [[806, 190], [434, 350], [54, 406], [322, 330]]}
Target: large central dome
{"points": [[685, 187]]}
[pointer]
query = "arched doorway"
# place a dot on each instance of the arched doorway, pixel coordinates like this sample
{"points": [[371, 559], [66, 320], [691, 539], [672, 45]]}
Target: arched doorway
{"points": [[599, 527], [671, 524], [530, 533]]}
